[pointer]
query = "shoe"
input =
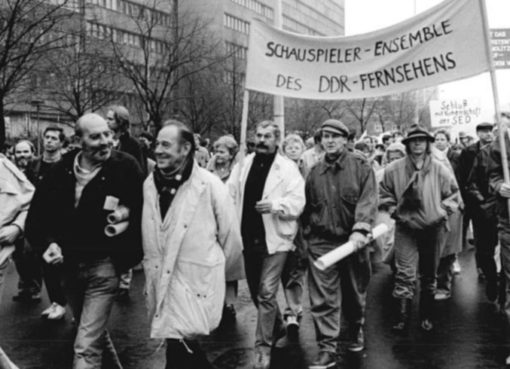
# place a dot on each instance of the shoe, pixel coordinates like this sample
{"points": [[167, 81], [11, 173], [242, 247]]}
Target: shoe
{"points": [[442, 295], [262, 359], [404, 311], [426, 325], [59, 312], [491, 290], [48, 310], [507, 361], [456, 267], [292, 325], [324, 360], [357, 340]]}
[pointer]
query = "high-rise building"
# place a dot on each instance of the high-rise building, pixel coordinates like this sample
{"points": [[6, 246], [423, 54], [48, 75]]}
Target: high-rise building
{"points": [[228, 21]]}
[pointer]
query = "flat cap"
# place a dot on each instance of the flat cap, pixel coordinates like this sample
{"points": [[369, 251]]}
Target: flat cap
{"points": [[335, 126], [484, 125]]}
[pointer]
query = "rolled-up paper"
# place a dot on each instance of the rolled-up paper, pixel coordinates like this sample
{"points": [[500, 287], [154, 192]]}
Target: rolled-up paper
{"points": [[342, 251], [112, 230], [5, 362], [119, 215]]}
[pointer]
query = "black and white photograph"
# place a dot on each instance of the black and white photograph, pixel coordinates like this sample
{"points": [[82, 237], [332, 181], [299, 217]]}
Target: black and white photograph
{"points": [[254, 184]]}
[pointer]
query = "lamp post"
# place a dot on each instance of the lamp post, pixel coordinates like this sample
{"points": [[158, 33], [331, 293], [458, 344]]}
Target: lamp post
{"points": [[37, 103]]}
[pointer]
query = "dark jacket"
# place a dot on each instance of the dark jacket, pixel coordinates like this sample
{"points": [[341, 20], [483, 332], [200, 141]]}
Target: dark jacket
{"points": [[478, 191], [466, 160], [133, 147], [340, 198], [80, 231], [496, 178]]}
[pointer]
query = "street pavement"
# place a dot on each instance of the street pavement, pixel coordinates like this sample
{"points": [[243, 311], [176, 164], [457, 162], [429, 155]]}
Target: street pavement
{"points": [[469, 333]]}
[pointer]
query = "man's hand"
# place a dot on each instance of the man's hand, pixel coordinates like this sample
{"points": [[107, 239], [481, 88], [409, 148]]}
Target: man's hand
{"points": [[53, 254], [264, 206], [359, 239], [504, 190], [9, 234]]}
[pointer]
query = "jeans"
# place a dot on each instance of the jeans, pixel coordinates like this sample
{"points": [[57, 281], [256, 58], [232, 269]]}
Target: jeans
{"points": [[91, 288], [53, 279], [417, 251], [293, 280], [3, 271], [340, 288], [263, 273]]}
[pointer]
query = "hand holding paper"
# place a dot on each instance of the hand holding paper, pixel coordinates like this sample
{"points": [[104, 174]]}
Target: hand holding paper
{"points": [[342, 251]]}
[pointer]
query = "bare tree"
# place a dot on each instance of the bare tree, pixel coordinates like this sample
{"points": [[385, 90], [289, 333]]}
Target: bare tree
{"points": [[83, 77], [202, 101], [164, 56], [28, 30], [362, 111]]}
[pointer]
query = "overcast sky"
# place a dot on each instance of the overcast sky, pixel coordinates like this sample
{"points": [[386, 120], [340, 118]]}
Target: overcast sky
{"points": [[383, 13]]}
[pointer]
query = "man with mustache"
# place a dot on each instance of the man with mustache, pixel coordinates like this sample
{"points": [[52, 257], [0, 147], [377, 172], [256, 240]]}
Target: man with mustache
{"points": [[67, 219], [26, 260], [341, 205], [269, 194]]}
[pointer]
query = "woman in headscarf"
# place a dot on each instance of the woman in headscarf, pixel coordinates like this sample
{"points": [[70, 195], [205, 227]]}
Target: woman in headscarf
{"points": [[451, 238], [225, 151]]}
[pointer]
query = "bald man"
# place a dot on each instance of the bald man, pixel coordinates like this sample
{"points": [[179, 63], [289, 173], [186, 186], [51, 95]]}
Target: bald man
{"points": [[67, 219]]}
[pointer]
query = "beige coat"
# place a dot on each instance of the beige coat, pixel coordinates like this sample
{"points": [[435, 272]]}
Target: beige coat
{"points": [[15, 194], [187, 254]]}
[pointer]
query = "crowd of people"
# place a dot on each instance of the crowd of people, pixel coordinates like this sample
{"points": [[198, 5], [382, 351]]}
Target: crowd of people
{"points": [[81, 218]]}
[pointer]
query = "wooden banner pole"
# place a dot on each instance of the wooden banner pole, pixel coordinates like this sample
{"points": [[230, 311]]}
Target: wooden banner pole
{"points": [[495, 92]]}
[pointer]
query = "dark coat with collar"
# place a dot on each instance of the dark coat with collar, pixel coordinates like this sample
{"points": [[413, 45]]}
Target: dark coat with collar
{"points": [[133, 147], [79, 231]]}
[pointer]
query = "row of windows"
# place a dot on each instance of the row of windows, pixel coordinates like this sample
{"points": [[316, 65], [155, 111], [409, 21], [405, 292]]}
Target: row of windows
{"points": [[239, 25], [103, 32], [256, 6], [69, 4], [230, 77], [238, 51], [295, 26], [135, 10]]}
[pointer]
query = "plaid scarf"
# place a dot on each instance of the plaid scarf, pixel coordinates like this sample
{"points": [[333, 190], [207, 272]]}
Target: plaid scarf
{"points": [[167, 185]]}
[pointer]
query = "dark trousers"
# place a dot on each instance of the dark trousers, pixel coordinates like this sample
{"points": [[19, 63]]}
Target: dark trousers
{"points": [[486, 239], [445, 273], [53, 279], [340, 288], [293, 281], [263, 274], [417, 251], [28, 264], [185, 354], [91, 288]]}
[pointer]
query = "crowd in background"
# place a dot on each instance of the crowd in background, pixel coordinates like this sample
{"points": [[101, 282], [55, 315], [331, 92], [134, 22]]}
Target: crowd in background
{"points": [[203, 216]]}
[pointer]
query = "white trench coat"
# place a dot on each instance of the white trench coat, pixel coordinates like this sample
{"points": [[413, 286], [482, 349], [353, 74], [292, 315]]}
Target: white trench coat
{"points": [[187, 254]]}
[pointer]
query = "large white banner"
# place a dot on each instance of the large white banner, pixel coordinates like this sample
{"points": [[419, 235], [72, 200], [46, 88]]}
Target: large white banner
{"points": [[445, 43]]}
